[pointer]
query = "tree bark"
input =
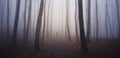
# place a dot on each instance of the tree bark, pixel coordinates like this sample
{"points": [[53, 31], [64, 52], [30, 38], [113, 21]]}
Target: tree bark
{"points": [[89, 21], [8, 19], [84, 48], [14, 36], [29, 20], [38, 26], [67, 20]]}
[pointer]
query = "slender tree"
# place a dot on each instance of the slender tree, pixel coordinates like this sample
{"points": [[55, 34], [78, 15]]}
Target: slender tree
{"points": [[25, 11], [38, 26], [76, 24], [2, 16], [89, 21], [118, 16], [48, 18], [84, 47], [67, 20], [106, 20], [29, 19], [44, 19], [97, 26], [14, 36], [8, 19]]}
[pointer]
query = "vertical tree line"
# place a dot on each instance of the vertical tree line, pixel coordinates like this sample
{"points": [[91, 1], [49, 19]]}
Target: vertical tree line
{"points": [[84, 48], [14, 36], [89, 21], [38, 26]]}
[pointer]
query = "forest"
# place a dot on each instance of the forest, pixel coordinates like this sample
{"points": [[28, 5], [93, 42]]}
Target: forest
{"points": [[59, 28]]}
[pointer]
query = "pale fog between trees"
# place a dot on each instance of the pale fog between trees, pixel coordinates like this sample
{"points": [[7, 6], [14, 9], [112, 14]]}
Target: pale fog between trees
{"points": [[60, 19]]}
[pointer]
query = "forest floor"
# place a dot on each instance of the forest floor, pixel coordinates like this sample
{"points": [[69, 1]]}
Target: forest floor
{"points": [[62, 48]]}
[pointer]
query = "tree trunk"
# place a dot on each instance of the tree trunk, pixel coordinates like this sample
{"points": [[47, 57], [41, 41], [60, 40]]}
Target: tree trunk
{"points": [[14, 36], [76, 24], [8, 19], [25, 9], [97, 26], [67, 20], [29, 19], [89, 21], [38, 26], [117, 5], [84, 48]]}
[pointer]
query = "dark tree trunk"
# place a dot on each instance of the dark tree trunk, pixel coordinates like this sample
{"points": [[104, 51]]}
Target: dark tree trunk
{"points": [[84, 48], [117, 5], [38, 26], [8, 19], [2, 18], [97, 26], [89, 21], [106, 20], [14, 36], [25, 11], [29, 20]]}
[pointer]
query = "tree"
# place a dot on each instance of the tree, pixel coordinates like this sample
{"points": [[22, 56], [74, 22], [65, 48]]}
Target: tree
{"points": [[76, 24], [29, 19], [25, 9], [8, 19], [14, 36], [97, 26], [84, 47], [67, 20], [117, 5], [38, 26], [89, 21]]}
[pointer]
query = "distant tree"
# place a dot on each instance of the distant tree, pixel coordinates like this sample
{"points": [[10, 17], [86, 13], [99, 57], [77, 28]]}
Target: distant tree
{"points": [[89, 21], [38, 26], [44, 19], [106, 19], [48, 18], [29, 19], [25, 11], [97, 26], [8, 19], [68, 20], [84, 47], [76, 21], [2, 16], [14, 36], [118, 16]]}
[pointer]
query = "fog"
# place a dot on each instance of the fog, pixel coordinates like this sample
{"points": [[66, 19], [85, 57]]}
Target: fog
{"points": [[104, 19]]}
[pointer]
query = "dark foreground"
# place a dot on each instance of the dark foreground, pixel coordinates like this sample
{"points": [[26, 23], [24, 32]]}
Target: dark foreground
{"points": [[109, 48]]}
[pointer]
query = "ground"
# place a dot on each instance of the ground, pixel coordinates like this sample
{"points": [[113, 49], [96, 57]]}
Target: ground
{"points": [[62, 48]]}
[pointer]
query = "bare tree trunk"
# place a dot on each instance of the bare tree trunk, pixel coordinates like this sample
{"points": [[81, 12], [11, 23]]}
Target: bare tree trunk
{"points": [[67, 20], [25, 9], [76, 24], [44, 19], [8, 19], [84, 47], [97, 26], [38, 26], [2, 18], [106, 20], [51, 19], [29, 20], [89, 21], [48, 18], [14, 36], [117, 5]]}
